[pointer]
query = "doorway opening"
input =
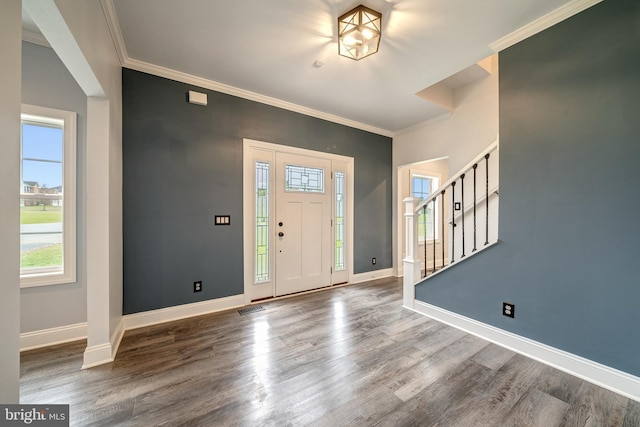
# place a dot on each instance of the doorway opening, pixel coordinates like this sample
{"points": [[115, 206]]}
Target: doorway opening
{"points": [[419, 180]]}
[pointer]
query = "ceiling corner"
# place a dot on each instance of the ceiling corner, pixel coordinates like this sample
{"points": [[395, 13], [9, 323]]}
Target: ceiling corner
{"points": [[558, 15]]}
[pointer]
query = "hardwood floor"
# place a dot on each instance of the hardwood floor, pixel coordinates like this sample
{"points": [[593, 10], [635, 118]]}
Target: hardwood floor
{"points": [[346, 356]]}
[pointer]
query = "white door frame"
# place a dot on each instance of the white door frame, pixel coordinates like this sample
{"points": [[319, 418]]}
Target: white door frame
{"points": [[267, 152]]}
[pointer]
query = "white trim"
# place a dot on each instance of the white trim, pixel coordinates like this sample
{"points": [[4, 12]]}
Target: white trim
{"points": [[550, 19], [169, 314], [601, 375], [116, 338], [52, 336], [248, 168], [111, 17], [104, 353], [371, 275], [97, 355]]}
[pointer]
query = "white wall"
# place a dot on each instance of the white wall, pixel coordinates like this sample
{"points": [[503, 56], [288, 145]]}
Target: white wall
{"points": [[79, 34], [459, 136], [46, 82], [10, 47]]}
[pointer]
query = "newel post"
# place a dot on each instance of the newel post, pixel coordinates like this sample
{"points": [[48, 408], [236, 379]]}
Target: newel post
{"points": [[411, 263]]}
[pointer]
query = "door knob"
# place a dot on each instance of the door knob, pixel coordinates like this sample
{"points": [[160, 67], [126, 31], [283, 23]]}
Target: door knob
{"points": [[280, 234]]}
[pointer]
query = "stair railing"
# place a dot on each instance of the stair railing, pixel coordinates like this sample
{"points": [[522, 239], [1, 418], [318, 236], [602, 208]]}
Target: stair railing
{"points": [[468, 201]]}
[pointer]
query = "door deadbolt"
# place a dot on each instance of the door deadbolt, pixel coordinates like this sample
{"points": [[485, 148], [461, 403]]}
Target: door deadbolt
{"points": [[280, 224]]}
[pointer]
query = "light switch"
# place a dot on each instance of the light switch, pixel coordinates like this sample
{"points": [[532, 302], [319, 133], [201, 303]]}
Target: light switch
{"points": [[223, 220]]}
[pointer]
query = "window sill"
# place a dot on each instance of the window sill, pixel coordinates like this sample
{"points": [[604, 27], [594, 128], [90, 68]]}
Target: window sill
{"points": [[45, 279]]}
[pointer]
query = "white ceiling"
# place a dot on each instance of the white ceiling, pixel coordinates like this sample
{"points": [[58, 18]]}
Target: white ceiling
{"points": [[269, 48]]}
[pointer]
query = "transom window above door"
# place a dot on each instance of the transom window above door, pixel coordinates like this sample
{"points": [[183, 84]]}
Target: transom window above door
{"points": [[304, 179]]}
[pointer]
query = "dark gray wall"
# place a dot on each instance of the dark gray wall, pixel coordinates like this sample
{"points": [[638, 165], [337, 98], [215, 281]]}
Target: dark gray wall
{"points": [[183, 164], [569, 167]]}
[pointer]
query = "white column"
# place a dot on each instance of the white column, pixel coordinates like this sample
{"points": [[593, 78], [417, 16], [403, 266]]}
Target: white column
{"points": [[411, 263], [99, 349], [10, 88]]}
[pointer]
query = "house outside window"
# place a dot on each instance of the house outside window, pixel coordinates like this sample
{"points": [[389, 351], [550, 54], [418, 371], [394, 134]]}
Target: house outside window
{"points": [[47, 196], [422, 186]]}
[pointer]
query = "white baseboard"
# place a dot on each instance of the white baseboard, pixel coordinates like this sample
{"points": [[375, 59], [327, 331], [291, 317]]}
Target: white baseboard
{"points": [[106, 353], [604, 376], [153, 317], [96, 355], [116, 338], [53, 336], [371, 275]]}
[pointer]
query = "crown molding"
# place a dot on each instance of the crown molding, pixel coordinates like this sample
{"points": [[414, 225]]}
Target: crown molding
{"points": [[550, 19], [157, 70], [180, 76], [114, 28]]}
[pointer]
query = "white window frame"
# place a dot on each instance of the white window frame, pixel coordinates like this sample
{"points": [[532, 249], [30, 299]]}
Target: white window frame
{"points": [[68, 274], [435, 184]]}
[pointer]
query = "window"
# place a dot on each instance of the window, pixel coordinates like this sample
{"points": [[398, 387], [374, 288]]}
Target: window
{"points": [[422, 187], [262, 223], [304, 179], [339, 263], [47, 196]]}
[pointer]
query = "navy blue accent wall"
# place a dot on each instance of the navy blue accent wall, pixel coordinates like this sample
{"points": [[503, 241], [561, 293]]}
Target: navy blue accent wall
{"points": [[183, 165], [569, 193]]}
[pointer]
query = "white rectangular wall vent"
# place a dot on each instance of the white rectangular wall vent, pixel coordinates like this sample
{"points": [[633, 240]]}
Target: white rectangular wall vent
{"points": [[197, 98]]}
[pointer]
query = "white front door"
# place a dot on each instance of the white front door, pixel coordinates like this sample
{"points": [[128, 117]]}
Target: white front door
{"points": [[302, 223]]}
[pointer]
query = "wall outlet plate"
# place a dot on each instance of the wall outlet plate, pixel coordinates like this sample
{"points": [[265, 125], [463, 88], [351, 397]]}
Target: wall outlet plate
{"points": [[197, 286], [373, 261], [508, 309]]}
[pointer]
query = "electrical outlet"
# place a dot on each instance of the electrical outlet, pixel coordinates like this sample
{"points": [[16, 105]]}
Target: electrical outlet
{"points": [[373, 261], [197, 286], [508, 309]]}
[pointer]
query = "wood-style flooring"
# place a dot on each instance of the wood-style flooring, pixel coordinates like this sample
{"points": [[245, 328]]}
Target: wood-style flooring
{"points": [[344, 356]]}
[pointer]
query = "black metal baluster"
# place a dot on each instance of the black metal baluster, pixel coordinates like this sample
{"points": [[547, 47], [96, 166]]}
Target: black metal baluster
{"points": [[424, 218], [462, 207], [486, 157], [453, 222], [433, 220], [475, 229], [442, 222]]}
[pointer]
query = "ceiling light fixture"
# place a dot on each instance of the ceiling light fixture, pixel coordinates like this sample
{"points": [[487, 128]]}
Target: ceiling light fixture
{"points": [[359, 32]]}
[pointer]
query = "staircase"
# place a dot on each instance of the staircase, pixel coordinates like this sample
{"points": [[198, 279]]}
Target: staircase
{"points": [[462, 214]]}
